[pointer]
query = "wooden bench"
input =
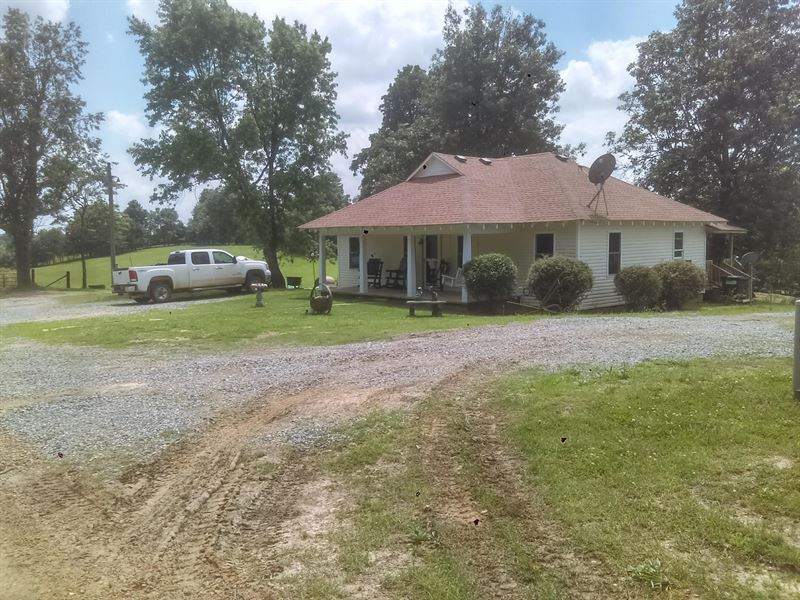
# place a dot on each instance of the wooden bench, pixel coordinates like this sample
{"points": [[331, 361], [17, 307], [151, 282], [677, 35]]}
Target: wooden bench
{"points": [[434, 305]]}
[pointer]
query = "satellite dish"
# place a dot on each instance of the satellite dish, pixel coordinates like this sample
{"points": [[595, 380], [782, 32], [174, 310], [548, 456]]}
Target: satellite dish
{"points": [[601, 170], [749, 259]]}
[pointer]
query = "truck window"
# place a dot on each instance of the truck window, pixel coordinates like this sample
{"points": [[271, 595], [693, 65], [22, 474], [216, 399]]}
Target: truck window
{"points": [[176, 258], [222, 258], [200, 258]]}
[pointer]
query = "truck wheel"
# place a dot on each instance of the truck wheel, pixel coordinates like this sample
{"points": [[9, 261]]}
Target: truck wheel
{"points": [[141, 299], [253, 277], [160, 292]]}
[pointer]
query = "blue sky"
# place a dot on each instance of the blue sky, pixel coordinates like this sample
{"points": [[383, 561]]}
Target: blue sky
{"points": [[371, 40]]}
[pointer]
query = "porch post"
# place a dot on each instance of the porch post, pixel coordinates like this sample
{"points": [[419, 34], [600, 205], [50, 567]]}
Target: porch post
{"points": [[322, 258], [411, 265], [730, 238], [467, 256], [362, 265]]}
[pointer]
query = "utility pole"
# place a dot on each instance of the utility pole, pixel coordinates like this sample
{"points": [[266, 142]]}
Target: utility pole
{"points": [[110, 183]]}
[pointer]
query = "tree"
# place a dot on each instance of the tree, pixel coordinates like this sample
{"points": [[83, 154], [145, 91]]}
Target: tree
{"points": [[81, 186], [215, 219], [40, 120], [90, 237], [713, 114], [47, 246], [139, 232], [492, 90], [167, 227], [254, 114]]}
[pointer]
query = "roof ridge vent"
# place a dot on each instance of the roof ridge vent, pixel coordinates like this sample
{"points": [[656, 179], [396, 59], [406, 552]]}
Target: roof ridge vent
{"points": [[486, 161], [460, 158]]}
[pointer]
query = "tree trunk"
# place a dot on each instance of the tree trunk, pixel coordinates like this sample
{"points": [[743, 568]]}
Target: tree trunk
{"points": [[22, 248], [272, 260], [83, 271]]}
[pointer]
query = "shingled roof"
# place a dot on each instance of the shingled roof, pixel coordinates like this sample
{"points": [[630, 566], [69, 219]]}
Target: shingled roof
{"points": [[517, 189]]}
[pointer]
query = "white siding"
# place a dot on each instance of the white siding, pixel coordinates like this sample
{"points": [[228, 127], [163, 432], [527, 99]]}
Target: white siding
{"points": [[641, 245], [347, 277], [433, 167]]}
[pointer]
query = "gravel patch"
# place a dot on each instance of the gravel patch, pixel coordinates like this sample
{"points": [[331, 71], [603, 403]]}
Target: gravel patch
{"points": [[50, 307], [89, 401]]}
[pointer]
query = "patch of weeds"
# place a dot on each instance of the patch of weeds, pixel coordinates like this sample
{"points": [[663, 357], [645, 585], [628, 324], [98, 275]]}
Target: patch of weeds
{"points": [[651, 573], [422, 534]]}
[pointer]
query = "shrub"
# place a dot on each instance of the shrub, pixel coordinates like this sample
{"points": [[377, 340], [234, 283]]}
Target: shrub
{"points": [[640, 286], [490, 277], [680, 282], [560, 280]]}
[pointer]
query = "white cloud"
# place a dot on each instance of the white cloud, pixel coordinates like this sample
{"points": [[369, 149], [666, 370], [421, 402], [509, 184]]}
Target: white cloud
{"points": [[52, 10], [371, 40], [589, 103], [131, 127]]}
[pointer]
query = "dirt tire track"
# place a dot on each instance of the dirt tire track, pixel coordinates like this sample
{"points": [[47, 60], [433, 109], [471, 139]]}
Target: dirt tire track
{"points": [[176, 527], [587, 577]]}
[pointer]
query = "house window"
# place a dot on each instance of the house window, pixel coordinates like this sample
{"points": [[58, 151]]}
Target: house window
{"points": [[545, 245], [677, 246], [460, 245], [614, 252], [355, 252]]}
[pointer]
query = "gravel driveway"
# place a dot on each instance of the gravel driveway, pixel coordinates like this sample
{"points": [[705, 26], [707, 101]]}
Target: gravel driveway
{"points": [[90, 401], [51, 307]]}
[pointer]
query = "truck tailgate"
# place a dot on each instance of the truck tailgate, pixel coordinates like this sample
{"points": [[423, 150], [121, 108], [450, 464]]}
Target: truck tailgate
{"points": [[120, 277]]}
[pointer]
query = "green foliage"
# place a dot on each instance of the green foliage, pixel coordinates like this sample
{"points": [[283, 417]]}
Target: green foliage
{"points": [[780, 272], [640, 286], [215, 219], [490, 277], [713, 114], [43, 123], [47, 246], [491, 90], [139, 231], [560, 280], [246, 107], [681, 281]]}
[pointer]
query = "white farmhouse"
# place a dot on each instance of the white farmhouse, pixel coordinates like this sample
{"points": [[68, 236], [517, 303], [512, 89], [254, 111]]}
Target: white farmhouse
{"points": [[451, 208]]}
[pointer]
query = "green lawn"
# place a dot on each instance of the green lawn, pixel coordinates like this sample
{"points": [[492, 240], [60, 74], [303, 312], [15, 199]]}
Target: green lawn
{"points": [[99, 269], [282, 321], [669, 479]]}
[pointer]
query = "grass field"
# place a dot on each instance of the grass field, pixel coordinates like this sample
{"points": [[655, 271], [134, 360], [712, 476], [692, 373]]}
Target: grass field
{"points": [[282, 321], [670, 479], [99, 270]]}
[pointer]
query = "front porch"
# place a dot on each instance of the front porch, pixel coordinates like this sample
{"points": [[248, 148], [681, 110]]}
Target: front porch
{"points": [[451, 296]]}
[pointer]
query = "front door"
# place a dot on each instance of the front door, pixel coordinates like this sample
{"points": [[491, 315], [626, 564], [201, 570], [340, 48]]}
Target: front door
{"points": [[201, 272], [431, 260]]}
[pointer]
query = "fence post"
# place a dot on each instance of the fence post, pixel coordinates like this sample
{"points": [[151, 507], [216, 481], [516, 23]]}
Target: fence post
{"points": [[33, 276], [67, 279], [797, 350]]}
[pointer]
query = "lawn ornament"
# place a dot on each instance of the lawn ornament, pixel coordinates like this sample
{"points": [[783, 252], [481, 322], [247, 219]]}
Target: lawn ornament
{"points": [[321, 299], [259, 288]]}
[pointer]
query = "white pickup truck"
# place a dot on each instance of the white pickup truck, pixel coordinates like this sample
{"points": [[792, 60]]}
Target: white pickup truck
{"points": [[189, 270]]}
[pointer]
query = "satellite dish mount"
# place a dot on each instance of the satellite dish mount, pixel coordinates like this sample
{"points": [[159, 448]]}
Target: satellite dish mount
{"points": [[601, 170]]}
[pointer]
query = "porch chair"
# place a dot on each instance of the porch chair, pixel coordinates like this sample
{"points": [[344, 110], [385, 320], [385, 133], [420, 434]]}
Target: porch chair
{"points": [[453, 281], [374, 272], [396, 278]]}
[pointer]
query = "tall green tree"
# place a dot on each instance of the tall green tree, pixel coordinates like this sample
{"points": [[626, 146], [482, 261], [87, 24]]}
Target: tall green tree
{"points": [[491, 90], [90, 235], [139, 232], [83, 184], [246, 107], [40, 120], [713, 114], [166, 226], [216, 219]]}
